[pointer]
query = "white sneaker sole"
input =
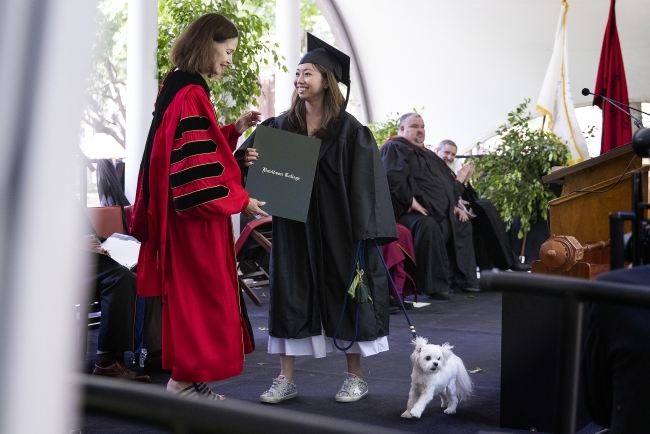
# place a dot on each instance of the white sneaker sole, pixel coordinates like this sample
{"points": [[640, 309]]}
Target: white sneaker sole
{"points": [[350, 398], [275, 400]]}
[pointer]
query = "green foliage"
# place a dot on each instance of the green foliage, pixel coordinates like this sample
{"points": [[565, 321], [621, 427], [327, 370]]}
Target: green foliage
{"points": [[590, 131], [238, 88], [510, 175], [309, 14], [385, 129]]}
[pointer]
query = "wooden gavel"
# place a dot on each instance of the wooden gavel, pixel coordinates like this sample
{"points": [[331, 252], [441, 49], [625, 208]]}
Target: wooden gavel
{"points": [[562, 252]]}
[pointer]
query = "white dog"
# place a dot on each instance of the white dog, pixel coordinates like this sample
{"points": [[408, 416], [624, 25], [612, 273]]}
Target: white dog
{"points": [[436, 371]]}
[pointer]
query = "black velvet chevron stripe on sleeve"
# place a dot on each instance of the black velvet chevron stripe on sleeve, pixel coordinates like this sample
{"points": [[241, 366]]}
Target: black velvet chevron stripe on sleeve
{"points": [[195, 173], [192, 123], [193, 148], [200, 197]]}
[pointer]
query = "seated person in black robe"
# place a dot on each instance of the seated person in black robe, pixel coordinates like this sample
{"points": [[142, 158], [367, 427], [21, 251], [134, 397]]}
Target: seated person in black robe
{"points": [[489, 234], [113, 285], [615, 376], [424, 201]]}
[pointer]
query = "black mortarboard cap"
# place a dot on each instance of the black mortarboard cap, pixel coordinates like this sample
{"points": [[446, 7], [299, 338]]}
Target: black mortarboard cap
{"points": [[322, 53]]}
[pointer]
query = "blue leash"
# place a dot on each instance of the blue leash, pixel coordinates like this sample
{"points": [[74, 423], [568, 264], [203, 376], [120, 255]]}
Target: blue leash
{"points": [[395, 293], [345, 301], [361, 260]]}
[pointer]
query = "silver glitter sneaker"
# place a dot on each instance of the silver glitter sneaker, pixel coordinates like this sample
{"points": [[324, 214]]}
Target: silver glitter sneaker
{"points": [[354, 388], [281, 390]]}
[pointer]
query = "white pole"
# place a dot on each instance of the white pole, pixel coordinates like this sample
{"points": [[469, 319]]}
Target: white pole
{"points": [[45, 50], [287, 29], [141, 84]]}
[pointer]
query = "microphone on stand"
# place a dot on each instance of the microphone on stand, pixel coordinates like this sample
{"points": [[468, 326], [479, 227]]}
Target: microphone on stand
{"points": [[586, 92], [641, 137], [617, 104]]}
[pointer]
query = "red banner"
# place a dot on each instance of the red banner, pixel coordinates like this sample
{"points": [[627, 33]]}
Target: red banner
{"points": [[611, 83]]}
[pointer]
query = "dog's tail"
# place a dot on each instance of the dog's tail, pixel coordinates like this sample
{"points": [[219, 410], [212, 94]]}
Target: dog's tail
{"points": [[464, 384]]}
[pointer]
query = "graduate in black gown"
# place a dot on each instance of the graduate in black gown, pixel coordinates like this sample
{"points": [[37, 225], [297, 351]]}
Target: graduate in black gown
{"points": [[311, 263], [424, 200]]}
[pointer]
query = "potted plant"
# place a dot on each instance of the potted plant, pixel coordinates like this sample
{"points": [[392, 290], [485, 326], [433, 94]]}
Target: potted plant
{"points": [[510, 174]]}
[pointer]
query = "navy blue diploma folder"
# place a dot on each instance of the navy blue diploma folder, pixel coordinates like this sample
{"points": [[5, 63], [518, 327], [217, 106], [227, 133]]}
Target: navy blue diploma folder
{"points": [[283, 175]]}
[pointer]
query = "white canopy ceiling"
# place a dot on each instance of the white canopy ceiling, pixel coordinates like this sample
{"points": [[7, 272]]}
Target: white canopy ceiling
{"points": [[470, 62]]}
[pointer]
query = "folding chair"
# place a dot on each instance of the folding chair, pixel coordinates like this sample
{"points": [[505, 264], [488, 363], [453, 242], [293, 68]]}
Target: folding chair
{"points": [[106, 220], [253, 245]]}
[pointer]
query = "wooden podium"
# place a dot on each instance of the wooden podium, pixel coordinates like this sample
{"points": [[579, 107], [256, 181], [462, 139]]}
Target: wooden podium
{"points": [[585, 215], [531, 323]]}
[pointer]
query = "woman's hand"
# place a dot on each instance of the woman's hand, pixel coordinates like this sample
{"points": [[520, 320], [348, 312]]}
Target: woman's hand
{"points": [[247, 120], [254, 209], [250, 156]]}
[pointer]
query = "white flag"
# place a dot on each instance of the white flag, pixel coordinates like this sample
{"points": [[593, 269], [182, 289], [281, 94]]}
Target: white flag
{"points": [[555, 100]]}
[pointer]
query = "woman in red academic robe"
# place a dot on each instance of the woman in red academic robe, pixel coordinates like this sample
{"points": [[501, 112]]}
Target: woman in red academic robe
{"points": [[188, 187]]}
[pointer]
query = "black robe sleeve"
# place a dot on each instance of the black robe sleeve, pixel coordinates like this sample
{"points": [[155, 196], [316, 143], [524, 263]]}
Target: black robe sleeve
{"points": [[459, 189], [402, 186], [445, 171], [370, 203]]}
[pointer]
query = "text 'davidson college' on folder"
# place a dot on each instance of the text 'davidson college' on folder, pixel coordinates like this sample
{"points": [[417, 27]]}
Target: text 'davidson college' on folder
{"points": [[283, 175]]}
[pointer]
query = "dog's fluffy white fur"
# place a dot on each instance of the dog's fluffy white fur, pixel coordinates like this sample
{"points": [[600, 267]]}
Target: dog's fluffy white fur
{"points": [[436, 371]]}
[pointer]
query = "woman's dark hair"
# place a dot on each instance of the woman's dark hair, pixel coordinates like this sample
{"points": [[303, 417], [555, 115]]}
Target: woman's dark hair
{"points": [[193, 51], [332, 103]]}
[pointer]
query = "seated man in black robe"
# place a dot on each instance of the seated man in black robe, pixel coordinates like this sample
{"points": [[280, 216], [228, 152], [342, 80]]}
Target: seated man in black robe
{"points": [[114, 286], [614, 370], [424, 201], [490, 241]]}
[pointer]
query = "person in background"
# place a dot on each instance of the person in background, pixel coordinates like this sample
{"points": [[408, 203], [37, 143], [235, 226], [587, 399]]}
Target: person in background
{"points": [[424, 200], [188, 187], [113, 285], [311, 262], [614, 368], [489, 233]]}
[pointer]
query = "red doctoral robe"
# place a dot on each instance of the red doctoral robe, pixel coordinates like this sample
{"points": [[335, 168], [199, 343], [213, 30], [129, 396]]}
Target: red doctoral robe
{"points": [[188, 255]]}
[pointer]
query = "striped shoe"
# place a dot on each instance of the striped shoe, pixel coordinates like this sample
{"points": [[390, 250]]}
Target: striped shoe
{"points": [[199, 391]]}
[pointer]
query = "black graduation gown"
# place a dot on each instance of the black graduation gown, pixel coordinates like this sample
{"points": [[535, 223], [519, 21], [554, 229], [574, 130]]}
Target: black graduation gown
{"points": [[491, 245], [490, 238], [463, 252], [420, 173], [311, 263]]}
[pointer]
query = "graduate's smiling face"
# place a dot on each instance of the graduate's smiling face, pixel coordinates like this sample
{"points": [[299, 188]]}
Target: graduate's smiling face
{"points": [[413, 131], [309, 82], [223, 56]]}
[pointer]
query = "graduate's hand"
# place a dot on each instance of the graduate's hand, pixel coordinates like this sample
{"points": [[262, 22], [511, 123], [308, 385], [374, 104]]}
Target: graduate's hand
{"points": [[254, 209], [250, 156], [415, 206], [247, 120], [462, 216]]}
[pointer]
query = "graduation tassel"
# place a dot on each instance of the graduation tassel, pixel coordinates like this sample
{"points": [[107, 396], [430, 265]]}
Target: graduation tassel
{"points": [[358, 289]]}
